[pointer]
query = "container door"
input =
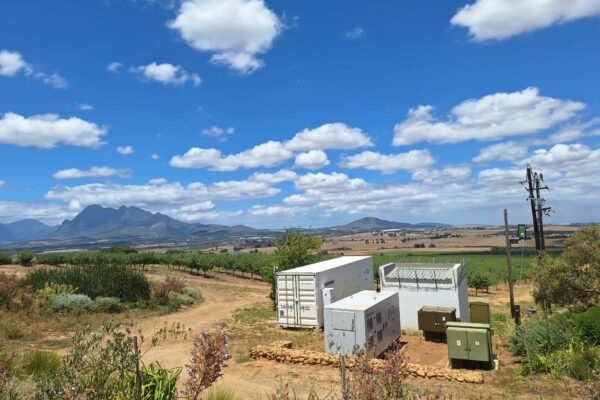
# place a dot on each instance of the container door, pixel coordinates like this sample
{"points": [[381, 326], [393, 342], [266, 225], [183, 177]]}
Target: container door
{"points": [[306, 300], [344, 336], [286, 304], [457, 344], [478, 345]]}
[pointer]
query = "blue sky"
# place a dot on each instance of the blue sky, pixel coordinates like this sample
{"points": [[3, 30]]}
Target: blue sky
{"points": [[299, 113]]}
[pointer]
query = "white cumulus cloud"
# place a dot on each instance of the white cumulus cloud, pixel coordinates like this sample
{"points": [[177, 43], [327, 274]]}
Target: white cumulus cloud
{"points": [[11, 62], [267, 154], [491, 117], [167, 74], [501, 19], [93, 172], [237, 32], [55, 80], [413, 160], [217, 132], [125, 150], [280, 176], [114, 67], [49, 130], [506, 151], [451, 173], [329, 136], [313, 159]]}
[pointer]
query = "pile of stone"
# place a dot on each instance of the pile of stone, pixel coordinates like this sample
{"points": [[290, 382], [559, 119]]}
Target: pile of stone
{"points": [[281, 351]]}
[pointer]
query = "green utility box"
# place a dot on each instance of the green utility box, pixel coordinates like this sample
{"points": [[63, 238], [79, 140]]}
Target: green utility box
{"points": [[479, 308], [469, 345], [432, 321]]}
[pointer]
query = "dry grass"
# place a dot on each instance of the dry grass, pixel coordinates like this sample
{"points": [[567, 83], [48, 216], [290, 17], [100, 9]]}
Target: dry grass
{"points": [[257, 325]]}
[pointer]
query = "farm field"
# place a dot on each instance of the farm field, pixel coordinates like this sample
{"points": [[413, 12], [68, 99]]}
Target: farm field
{"points": [[242, 308], [454, 239]]}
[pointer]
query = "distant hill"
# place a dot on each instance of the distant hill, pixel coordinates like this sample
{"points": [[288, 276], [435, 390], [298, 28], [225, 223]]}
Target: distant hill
{"points": [[97, 226], [102, 222], [26, 229], [375, 224]]}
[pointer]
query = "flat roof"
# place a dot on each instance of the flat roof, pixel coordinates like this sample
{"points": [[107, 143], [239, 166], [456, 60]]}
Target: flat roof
{"points": [[324, 265], [426, 271], [426, 265], [361, 301]]}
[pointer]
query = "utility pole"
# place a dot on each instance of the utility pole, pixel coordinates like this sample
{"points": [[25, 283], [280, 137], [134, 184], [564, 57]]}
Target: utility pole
{"points": [[509, 263], [541, 210], [534, 184], [529, 188]]}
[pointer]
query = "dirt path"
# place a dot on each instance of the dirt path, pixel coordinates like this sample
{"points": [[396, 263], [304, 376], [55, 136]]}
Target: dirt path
{"points": [[222, 296]]}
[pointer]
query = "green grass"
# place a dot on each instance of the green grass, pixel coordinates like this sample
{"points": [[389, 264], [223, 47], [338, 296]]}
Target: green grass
{"points": [[41, 364], [254, 315], [501, 324], [94, 281], [242, 358], [12, 330], [220, 393]]}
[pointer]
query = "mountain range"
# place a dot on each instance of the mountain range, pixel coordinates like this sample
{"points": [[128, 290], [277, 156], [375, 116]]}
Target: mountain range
{"points": [[101, 226], [376, 224], [26, 229]]}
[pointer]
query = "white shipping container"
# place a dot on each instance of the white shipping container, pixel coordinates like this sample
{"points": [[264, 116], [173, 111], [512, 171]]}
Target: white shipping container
{"points": [[299, 291], [426, 284], [367, 321]]}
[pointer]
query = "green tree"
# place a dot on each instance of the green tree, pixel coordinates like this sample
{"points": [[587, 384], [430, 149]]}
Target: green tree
{"points": [[5, 258], [294, 249], [572, 280], [480, 281], [25, 258]]}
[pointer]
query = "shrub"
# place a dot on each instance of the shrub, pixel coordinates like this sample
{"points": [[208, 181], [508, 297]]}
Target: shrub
{"points": [[209, 358], [109, 304], [180, 299], [193, 292], [589, 323], [6, 360], [5, 258], [120, 250], [96, 281], [163, 289], [72, 304], [51, 289], [25, 258], [387, 384], [9, 285], [25, 301], [536, 339], [157, 383], [578, 361], [41, 364], [100, 362], [12, 330]]}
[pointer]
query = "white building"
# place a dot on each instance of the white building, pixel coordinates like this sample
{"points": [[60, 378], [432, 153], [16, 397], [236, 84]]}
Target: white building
{"points": [[366, 321], [426, 284], [302, 292]]}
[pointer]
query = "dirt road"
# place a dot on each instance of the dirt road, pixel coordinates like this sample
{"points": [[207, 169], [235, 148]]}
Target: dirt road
{"points": [[222, 296]]}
